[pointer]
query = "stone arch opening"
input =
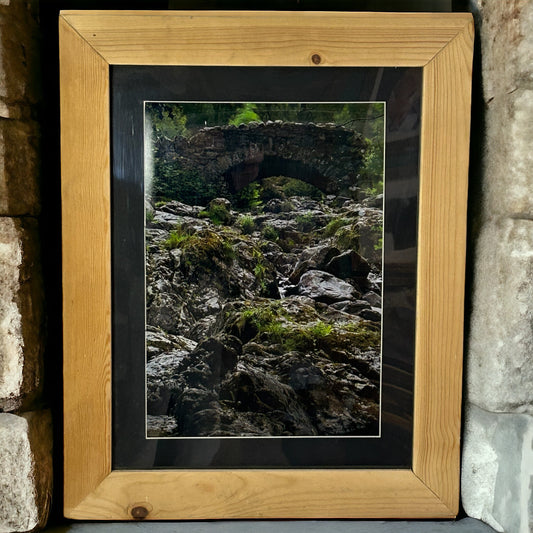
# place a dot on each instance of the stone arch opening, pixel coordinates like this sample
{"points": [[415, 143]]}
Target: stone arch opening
{"points": [[242, 174]]}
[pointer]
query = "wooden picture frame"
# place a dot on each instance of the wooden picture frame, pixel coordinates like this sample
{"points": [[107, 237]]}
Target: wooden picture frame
{"points": [[92, 41]]}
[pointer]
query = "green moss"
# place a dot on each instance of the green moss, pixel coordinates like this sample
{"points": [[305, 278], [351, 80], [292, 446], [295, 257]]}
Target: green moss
{"points": [[201, 250], [176, 237], [285, 187], [249, 197], [305, 338], [150, 216], [377, 189], [287, 245], [367, 334], [347, 238], [217, 213], [247, 224], [334, 225], [270, 233], [296, 187], [305, 222], [371, 242], [269, 190], [261, 317], [321, 329], [276, 326]]}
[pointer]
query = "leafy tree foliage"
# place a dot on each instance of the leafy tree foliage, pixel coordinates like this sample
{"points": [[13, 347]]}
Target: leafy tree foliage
{"points": [[166, 120], [245, 114]]}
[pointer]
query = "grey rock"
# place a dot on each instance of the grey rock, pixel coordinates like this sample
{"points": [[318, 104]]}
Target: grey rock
{"points": [[180, 209], [507, 59], [161, 380], [507, 182], [313, 258], [501, 327], [21, 313], [351, 306], [263, 365], [349, 264], [372, 298], [203, 327], [325, 287], [26, 468], [154, 238], [373, 314], [274, 206], [158, 341], [281, 225], [497, 469], [166, 220], [161, 426], [507, 45], [374, 201], [167, 311]]}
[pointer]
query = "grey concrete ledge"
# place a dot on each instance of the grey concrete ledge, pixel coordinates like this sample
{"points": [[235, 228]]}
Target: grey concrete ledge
{"points": [[466, 525]]}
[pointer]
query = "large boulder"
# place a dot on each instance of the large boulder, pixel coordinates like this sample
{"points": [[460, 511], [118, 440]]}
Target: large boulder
{"points": [[325, 287], [313, 258], [348, 265]]}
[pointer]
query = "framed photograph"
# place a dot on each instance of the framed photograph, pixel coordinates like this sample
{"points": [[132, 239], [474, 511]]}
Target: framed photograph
{"points": [[264, 229]]}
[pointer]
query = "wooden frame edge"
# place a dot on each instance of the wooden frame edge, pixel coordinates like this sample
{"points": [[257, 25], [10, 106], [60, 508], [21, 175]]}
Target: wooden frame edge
{"points": [[85, 190], [243, 37], [204, 494], [441, 267], [433, 481]]}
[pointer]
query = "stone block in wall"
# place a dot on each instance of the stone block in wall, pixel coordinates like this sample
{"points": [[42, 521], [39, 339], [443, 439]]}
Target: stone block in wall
{"points": [[508, 158], [19, 54], [25, 470], [21, 313], [19, 168], [507, 44], [499, 372], [497, 469]]}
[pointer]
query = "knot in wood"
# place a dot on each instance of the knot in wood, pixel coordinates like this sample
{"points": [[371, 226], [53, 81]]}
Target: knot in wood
{"points": [[139, 512]]}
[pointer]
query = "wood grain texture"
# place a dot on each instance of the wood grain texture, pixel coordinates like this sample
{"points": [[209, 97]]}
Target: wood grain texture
{"points": [[267, 38], [441, 265], [191, 495], [86, 265], [90, 42]]}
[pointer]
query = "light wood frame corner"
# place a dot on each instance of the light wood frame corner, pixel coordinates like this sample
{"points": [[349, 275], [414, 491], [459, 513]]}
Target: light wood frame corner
{"points": [[92, 41]]}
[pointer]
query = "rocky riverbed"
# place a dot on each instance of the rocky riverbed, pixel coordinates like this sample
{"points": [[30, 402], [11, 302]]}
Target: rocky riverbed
{"points": [[264, 320]]}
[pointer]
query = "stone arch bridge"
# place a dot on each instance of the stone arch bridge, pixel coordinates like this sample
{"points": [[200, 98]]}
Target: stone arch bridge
{"points": [[326, 155]]}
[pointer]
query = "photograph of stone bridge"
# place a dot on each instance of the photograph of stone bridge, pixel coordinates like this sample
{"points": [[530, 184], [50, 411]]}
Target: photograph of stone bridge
{"points": [[327, 156], [264, 232]]}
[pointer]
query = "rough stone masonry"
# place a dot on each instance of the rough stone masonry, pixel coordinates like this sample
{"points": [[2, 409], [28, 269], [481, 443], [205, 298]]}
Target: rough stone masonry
{"points": [[25, 428], [497, 467], [326, 155]]}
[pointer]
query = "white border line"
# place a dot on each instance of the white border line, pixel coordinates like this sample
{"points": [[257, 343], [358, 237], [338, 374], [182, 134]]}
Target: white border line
{"points": [[378, 436]]}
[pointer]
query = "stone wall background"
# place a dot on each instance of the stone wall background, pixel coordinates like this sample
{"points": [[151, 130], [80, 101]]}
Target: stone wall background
{"points": [[497, 465], [25, 426]]}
